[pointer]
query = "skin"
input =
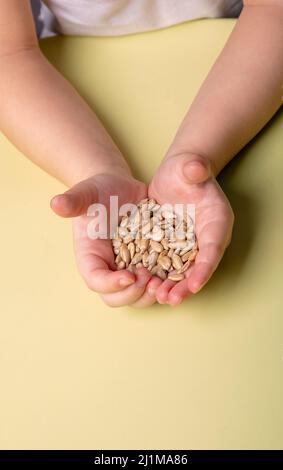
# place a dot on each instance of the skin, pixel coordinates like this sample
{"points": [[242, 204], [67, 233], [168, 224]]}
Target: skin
{"points": [[240, 95]]}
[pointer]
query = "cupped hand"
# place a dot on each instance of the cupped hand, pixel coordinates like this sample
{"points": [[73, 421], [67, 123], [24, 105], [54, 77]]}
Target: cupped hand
{"points": [[188, 179], [94, 257]]}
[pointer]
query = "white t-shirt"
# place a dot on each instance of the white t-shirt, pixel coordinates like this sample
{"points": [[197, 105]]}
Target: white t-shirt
{"points": [[118, 17]]}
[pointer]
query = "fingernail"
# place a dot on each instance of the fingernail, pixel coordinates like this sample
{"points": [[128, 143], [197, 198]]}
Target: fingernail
{"points": [[126, 281], [64, 202], [175, 300], [195, 171], [143, 279], [195, 288], [151, 291]]}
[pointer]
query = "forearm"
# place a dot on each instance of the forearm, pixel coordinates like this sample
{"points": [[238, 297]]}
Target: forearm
{"points": [[44, 116], [241, 93]]}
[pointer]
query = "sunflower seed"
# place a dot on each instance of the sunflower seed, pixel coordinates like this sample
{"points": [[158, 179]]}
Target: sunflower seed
{"points": [[164, 262], [137, 258], [177, 262], [132, 249], [184, 267], [173, 276], [161, 273], [145, 259], [160, 240], [121, 265], [125, 254], [152, 258], [156, 246], [143, 245]]}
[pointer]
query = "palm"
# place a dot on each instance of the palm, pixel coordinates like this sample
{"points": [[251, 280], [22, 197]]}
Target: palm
{"points": [[214, 222], [95, 257]]}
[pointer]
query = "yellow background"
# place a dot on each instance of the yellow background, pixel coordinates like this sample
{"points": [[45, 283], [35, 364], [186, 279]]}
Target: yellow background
{"points": [[77, 374]]}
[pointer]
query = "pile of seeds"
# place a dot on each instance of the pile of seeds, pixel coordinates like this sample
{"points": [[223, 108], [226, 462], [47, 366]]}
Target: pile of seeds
{"points": [[160, 240]]}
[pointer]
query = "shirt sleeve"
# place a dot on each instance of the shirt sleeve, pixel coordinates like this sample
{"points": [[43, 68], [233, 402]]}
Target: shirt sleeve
{"points": [[36, 8]]}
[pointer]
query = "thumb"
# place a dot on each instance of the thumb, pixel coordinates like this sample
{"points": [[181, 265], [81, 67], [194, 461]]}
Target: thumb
{"points": [[76, 200], [196, 169]]}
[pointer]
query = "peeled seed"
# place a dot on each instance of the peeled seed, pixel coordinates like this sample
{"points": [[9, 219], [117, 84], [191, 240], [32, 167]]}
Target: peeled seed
{"points": [[125, 254], [163, 253], [128, 238], [145, 259], [161, 274], [143, 245], [156, 246], [124, 221], [137, 258], [168, 214], [123, 231], [185, 267], [154, 270], [158, 235], [139, 265], [155, 208], [132, 249], [170, 252], [118, 259], [121, 265], [186, 256], [152, 258], [184, 251], [146, 228], [164, 243], [117, 242], [173, 276], [135, 217], [180, 234], [151, 203], [177, 262], [178, 244], [193, 255], [164, 262]]}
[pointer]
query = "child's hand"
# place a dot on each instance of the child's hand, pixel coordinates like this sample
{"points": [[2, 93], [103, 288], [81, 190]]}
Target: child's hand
{"points": [[95, 258], [188, 178]]}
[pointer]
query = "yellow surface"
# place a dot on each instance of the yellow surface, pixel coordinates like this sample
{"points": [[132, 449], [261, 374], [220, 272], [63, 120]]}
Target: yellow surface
{"points": [[77, 374]]}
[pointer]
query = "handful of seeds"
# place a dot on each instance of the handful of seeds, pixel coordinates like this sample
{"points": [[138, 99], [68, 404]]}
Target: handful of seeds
{"points": [[158, 239]]}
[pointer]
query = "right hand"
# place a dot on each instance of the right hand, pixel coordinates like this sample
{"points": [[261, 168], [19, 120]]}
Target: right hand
{"points": [[95, 258], [188, 179]]}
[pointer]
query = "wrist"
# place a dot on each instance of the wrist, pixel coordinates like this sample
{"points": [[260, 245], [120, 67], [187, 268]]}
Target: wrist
{"points": [[110, 162]]}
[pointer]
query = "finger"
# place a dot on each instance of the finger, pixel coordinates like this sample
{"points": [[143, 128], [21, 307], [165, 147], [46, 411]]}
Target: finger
{"points": [[205, 264], [212, 240], [178, 293], [191, 168], [76, 200], [196, 170], [148, 298], [100, 278], [163, 291], [132, 293]]}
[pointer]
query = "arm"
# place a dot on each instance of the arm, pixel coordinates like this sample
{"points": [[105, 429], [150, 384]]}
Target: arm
{"points": [[44, 116], [240, 95], [243, 90], [41, 113]]}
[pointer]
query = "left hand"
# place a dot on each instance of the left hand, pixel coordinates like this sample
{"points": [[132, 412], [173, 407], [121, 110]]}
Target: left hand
{"points": [[188, 179], [95, 259]]}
